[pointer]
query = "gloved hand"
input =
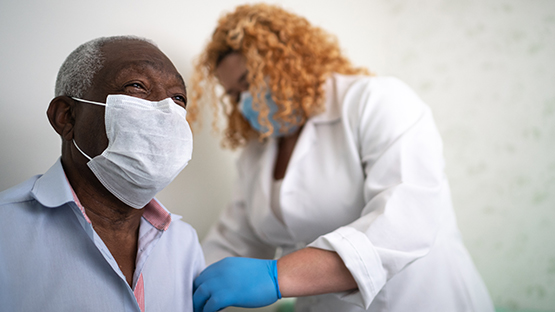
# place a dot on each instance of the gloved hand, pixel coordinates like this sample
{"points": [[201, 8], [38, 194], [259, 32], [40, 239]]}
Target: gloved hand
{"points": [[237, 282]]}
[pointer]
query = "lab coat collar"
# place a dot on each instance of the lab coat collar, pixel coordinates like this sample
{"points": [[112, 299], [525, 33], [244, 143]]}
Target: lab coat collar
{"points": [[335, 88], [331, 108]]}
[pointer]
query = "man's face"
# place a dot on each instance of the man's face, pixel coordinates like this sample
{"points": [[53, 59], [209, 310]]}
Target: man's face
{"points": [[134, 68]]}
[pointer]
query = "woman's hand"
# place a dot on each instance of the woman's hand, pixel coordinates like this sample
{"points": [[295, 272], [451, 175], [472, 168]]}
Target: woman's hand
{"points": [[237, 282], [253, 283]]}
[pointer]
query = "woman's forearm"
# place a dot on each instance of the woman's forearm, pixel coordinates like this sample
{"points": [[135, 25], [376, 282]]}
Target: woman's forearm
{"points": [[313, 271]]}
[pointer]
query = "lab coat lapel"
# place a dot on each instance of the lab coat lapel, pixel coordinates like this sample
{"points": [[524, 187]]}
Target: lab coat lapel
{"points": [[308, 135], [265, 173], [303, 145], [270, 227], [256, 174], [267, 225], [294, 199]]}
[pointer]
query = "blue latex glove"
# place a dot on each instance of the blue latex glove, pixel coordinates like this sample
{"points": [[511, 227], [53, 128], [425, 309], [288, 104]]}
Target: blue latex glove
{"points": [[237, 282]]}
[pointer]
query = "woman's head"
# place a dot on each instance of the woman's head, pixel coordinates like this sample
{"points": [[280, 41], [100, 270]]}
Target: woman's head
{"points": [[272, 50]]}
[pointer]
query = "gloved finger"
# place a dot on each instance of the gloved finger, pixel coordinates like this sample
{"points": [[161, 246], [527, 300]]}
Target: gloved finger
{"points": [[203, 277], [206, 274], [200, 297], [196, 283], [217, 302]]}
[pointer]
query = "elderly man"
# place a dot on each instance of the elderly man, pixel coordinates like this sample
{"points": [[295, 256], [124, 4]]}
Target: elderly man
{"points": [[88, 235]]}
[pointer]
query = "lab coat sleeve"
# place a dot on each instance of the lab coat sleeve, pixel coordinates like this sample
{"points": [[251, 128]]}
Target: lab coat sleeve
{"points": [[404, 189], [232, 235]]}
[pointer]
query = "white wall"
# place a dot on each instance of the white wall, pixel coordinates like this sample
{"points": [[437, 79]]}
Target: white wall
{"points": [[485, 67]]}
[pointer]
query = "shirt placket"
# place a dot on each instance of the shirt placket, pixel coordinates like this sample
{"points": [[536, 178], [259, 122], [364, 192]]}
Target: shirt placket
{"points": [[145, 246]]}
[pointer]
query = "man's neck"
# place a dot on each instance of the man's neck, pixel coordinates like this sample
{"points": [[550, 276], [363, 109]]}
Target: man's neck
{"points": [[116, 223]]}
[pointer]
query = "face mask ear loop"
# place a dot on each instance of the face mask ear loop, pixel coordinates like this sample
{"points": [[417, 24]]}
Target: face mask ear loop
{"points": [[81, 150], [87, 101]]}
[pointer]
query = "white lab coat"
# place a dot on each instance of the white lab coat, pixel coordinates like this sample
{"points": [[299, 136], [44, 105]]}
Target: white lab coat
{"points": [[366, 180]]}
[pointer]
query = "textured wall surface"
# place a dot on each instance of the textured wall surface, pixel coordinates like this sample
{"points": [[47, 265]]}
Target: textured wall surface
{"points": [[486, 69]]}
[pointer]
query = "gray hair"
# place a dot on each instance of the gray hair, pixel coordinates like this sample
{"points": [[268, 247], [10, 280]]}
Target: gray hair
{"points": [[78, 70]]}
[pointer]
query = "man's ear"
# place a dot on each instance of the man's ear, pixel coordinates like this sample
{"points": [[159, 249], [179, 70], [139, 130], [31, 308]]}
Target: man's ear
{"points": [[61, 116]]}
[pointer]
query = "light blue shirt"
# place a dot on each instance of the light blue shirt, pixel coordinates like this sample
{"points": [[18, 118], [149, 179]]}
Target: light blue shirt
{"points": [[51, 259]]}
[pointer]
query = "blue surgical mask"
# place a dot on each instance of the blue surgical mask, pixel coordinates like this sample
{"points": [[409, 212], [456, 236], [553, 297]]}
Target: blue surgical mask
{"points": [[246, 108]]}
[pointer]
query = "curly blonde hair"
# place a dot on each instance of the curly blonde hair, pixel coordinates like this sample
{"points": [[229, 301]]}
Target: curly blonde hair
{"points": [[284, 53]]}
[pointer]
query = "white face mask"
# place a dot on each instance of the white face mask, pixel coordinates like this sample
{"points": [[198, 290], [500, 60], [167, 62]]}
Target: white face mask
{"points": [[149, 143]]}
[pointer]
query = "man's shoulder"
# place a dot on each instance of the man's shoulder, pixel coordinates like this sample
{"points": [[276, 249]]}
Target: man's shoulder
{"points": [[180, 227], [182, 241], [19, 193], [182, 233], [18, 206]]}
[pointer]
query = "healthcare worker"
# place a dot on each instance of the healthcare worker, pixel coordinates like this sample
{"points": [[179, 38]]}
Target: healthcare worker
{"points": [[341, 172]]}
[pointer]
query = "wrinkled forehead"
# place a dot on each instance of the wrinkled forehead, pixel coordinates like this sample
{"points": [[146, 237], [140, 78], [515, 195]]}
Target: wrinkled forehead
{"points": [[122, 57], [123, 50]]}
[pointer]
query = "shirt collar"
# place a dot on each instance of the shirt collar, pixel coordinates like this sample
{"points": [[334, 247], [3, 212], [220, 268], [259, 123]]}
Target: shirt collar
{"points": [[53, 190], [157, 215]]}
